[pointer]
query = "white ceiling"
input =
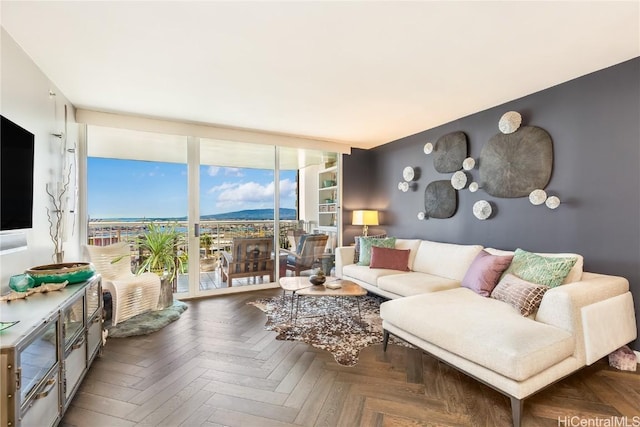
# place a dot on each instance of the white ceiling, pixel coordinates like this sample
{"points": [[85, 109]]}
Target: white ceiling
{"points": [[362, 73]]}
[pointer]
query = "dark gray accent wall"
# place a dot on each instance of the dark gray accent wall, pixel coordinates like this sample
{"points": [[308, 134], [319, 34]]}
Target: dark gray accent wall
{"points": [[594, 122]]}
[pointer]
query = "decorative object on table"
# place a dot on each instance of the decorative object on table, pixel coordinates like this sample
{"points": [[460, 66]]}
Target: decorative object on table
{"points": [[21, 282], [440, 200], [428, 148], [482, 209], [365, 218], [421, 215], [459, 180], [537, 197], [473, 187], [510, 122], [49, 287], [13, 295], [553, 202], [318, 278], [469, 163], [73, 272], [450, 151], [43, 288], [624, 359], [5, 325], [147, 323], [513, 165], [326, 328], [408, 173]]}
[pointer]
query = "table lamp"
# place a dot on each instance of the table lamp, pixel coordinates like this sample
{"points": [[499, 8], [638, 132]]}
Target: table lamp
{"points": [[365, 218]]}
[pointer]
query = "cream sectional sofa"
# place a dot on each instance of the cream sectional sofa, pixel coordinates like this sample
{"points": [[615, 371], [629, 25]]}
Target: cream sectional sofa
{"points": [[577, 323]]}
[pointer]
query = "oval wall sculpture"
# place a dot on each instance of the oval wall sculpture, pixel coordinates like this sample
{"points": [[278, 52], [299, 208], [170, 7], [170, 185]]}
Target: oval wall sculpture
{"points": [[515, 164], [449, 152], [440, 200]]}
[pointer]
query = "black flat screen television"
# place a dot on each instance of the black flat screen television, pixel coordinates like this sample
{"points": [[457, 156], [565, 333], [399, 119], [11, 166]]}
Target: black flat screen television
{"points": [[16, 175]]}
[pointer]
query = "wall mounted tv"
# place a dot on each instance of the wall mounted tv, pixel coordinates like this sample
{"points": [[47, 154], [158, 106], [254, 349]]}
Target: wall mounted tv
{"points": [[16, 173]]}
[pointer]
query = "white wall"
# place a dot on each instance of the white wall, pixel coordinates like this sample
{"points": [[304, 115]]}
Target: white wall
{"points": [[25, 100]]}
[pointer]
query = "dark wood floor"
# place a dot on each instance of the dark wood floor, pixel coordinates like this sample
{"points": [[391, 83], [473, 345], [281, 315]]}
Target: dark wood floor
{"points": [[217, 366]]}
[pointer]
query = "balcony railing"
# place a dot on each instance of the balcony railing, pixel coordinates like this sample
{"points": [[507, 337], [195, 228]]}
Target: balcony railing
{"points": [[215, 237]]}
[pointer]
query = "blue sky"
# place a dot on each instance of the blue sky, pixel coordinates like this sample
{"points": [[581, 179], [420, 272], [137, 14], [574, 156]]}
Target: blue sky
{"points": [[137, 189]]}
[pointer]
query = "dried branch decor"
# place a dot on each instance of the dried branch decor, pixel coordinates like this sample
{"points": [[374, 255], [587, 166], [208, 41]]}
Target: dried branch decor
{"points": [[56, 215]]}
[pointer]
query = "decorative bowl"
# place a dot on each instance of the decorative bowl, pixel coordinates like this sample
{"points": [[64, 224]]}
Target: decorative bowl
{"points": [[317, 279], [74, 272]]}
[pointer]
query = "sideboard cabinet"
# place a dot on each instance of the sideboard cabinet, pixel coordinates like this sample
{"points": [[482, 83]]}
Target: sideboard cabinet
{"points": [[44, 356]]}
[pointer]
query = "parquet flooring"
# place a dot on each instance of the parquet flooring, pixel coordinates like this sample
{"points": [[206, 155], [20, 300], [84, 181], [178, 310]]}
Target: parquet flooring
{"points": [[217, 366]]}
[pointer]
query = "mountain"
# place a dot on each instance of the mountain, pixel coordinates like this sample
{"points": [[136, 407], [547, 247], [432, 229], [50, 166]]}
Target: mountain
{"points": [[252, 214], [245, 215]]}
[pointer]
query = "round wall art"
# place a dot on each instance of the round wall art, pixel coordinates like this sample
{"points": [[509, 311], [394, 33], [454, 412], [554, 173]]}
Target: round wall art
{"points": [[450, 151], [537, 197], [459, 180], [482, 209], [515, 164], [440, 199], [408, 173]]}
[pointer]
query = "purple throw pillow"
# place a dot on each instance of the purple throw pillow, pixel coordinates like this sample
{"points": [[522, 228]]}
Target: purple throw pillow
{"points": [[485, 271], [392, 259]]}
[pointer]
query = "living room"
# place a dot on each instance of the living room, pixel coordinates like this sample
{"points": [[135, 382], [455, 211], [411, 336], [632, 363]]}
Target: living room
{"points": [[591, 114]]}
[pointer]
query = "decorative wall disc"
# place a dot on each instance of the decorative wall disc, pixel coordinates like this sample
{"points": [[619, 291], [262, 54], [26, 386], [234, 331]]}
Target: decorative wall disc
{"points": [[473, 187], [482, 209], [468, 163], [459, 180], [440, 199], [537, 197], [553, 202], [450, 151], [421, 215], [510, 122], [428, 148], [408, 173], [514, 165], [403, 186]]}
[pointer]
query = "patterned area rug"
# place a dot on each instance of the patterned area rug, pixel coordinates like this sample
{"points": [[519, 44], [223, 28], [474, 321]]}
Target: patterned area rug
{"points": [[328, 323], [146, 323]]}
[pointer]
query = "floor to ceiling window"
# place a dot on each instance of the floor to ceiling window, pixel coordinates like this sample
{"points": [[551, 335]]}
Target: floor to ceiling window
{"points": [[213, 193]]}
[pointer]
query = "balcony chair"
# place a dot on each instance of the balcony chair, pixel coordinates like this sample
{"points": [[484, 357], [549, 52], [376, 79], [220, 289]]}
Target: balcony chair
{"points": [[309, 250], [131, 294], [249, 257]]}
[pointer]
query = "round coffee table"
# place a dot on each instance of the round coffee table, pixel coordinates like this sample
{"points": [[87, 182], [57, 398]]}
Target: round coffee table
{"points": [[293, 285]]}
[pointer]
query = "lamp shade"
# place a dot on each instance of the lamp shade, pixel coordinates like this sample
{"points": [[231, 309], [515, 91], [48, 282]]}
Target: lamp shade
{"points": [[365, 218]]}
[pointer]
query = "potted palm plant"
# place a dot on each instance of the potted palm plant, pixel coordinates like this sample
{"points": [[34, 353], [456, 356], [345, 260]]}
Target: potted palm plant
{"points": [[161, 247]]}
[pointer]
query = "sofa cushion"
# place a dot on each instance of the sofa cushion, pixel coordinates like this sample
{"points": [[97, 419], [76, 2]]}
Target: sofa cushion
{"points": [[412, 245], [483, 330], [356, 254], [366, 274], [367, 242], [549, 271], [575, 274], [445, 259], [484, 272], [415, 283], [392, 259], [522, 295]]}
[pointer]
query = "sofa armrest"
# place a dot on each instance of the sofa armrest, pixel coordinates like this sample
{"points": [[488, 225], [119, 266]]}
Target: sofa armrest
{"points": [[344, 256], [571, 307]]}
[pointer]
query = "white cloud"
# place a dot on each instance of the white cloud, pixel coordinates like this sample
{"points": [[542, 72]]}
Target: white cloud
{"points": [[213, 170], [233, 172], [251, 195]]}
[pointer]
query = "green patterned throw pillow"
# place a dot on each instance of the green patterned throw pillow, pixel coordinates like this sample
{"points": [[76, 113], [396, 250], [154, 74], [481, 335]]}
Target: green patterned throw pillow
{"points": [[539, 269], [367, 242]]}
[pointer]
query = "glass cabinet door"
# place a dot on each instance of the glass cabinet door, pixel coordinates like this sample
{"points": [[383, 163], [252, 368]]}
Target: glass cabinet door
{"points": [[73, 320], [37, 359], [93, 298]]}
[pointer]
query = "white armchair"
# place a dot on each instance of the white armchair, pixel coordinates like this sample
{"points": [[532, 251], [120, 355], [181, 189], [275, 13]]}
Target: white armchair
{"points": [[131, 294]]}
